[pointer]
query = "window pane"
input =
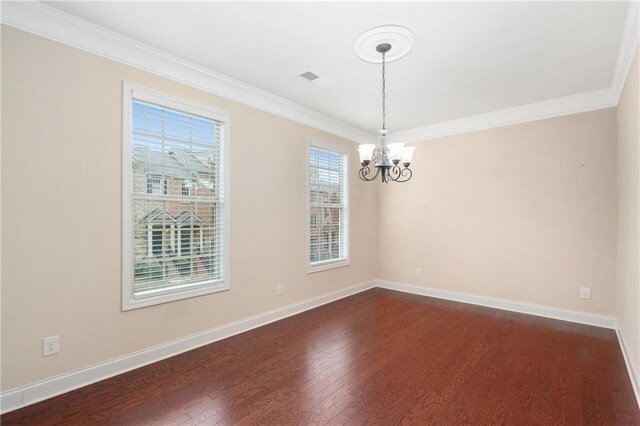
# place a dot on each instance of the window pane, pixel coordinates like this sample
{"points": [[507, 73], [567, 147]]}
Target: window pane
{"points": [[176, 200], [328, 206], [176, 243]]}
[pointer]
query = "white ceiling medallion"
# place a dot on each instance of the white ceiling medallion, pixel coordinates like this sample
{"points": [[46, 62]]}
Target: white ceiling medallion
{"points": [[400, 38]]}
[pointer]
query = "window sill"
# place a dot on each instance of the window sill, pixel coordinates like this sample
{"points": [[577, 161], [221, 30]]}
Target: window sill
{"points": [[173, 296], [326, 265]]}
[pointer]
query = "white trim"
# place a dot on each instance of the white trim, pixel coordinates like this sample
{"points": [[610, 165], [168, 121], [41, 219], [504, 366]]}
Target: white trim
{"points": [[628, 45], [333, 263], [129, 92], [525, 308], [127, 183], [188, 106], [11, 400], [30, 394], [635, 378], [583, 102], [54, 24], [326, 265]]}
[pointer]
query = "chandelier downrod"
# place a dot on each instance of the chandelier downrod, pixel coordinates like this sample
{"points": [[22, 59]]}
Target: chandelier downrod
{"points": [[386, 158], [384, 48]]}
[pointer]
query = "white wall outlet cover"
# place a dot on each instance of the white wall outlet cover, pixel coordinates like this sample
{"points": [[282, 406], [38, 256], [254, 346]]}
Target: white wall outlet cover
{"points": [[585, 293], [50, 345], [418, 272]]}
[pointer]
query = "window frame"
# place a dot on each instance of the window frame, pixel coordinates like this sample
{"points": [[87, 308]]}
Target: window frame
{"points": [[346, 153], [130, 92]]}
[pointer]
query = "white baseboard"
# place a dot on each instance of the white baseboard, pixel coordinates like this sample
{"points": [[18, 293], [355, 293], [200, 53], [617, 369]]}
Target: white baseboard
{"points": [[32, 393], [29, 394], [11, 400], [633, 375], [525, 308]]}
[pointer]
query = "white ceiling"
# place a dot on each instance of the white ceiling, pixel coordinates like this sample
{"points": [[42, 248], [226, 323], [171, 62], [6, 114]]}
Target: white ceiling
{"points": [[468, 59]]}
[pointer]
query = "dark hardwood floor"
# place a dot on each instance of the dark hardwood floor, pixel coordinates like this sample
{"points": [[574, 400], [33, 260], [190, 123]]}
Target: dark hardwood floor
{"points": [[379, 357]]}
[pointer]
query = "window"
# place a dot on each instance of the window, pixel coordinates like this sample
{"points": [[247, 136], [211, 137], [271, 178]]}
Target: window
{"points": [[175, 214], [328, 209], [186, 188], [156, 185]]}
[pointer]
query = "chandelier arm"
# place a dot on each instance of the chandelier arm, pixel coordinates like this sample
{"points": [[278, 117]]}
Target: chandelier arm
{"points": [[364, 171], [376, 175], [394, 173], [405, 175], [397, 174]]}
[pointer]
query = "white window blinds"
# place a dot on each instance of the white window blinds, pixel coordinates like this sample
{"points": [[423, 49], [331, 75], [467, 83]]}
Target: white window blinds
{"points": [[328, 207], [177, 213]]}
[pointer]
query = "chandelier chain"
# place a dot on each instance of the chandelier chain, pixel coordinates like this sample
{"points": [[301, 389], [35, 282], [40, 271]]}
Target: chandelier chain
{"points": [[383, 93]]}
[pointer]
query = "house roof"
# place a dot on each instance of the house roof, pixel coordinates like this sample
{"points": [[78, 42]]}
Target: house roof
{"points": [[194, 160], [176, 163], [160, 216], [185, 216]]}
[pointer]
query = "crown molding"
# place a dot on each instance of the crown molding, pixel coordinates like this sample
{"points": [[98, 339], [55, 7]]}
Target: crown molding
{"points": [[583, 102], [630, 36], [51, 23], [54, 24]]}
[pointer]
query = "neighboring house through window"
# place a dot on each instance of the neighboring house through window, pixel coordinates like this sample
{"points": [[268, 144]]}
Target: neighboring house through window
{"points": [[328, 209], [156, 185], [175, 244]]}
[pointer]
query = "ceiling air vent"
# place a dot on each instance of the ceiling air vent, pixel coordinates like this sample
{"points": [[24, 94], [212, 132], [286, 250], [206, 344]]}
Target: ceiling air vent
{"points": [[315, 79], [309, 76]]}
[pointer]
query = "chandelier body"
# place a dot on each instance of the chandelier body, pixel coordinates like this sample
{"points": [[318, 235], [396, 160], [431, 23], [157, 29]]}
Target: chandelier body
{"points": [[387, 165], [386, 158]]}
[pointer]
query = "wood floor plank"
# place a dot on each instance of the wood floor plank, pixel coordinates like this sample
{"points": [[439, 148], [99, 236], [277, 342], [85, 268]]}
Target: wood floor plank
{"points": [[378, 357]]}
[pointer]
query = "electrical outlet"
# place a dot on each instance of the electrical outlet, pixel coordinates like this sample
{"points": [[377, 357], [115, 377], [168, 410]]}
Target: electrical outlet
{"points": [[585, 293], [280, 289], [418, 272], [50, 345]]}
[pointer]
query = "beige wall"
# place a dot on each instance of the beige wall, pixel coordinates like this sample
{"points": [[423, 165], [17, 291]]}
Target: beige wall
{"points": [[61, 168], [629, 215], [525, 213]]}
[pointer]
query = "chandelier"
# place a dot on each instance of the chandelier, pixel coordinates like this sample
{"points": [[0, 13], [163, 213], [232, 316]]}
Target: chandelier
{"points": [[391, 161]]}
